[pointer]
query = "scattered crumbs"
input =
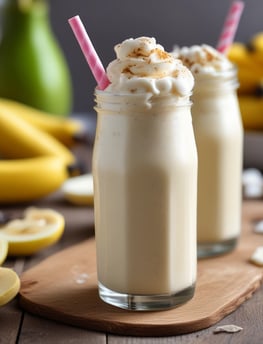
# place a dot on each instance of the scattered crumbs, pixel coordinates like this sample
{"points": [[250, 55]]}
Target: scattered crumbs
{"points": [[163, 55], [258, 227], [228, 329], [175, 73], [252, 183], [257, 256], [79, 276], [127, 70], [139, 52]]}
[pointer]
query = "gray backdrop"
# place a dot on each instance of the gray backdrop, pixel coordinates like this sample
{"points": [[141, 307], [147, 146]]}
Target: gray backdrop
{"points": [[108, 22]]}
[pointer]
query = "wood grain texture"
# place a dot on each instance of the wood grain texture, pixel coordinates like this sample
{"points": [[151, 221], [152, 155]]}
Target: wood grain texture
{"points": [[64, 288], [38, 331], [10, 320]]}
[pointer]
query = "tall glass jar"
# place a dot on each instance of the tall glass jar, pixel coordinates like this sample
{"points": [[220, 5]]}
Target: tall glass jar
{"points": [[145, 185], [219, 138]]}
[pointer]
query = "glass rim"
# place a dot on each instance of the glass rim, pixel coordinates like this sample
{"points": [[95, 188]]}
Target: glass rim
{"points": [[221, 74], [139, 100]]}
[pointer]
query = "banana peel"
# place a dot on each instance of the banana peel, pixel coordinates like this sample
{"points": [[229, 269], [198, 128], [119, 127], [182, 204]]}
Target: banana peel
{"points": [[249, 61], [251, 109], [19, 139], [256, 43], [66, 130], [34, 163], [26, 180]]}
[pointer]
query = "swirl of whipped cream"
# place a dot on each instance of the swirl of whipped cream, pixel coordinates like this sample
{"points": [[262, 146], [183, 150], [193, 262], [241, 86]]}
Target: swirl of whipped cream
{"points": [[142, 66], [202, 59]]}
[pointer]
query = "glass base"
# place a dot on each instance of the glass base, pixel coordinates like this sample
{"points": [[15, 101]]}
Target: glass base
{"points": [[145, 302], [215, 249]]}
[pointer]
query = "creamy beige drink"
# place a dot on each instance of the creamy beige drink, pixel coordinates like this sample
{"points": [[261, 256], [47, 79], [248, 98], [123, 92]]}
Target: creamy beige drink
{"points": [[219, 138], [145, 180]]}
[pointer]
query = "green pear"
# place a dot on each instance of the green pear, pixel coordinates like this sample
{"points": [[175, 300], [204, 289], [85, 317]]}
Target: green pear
{"points": [[33, 69]]}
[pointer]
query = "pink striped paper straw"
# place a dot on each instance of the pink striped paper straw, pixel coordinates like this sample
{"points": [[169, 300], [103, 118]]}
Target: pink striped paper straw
{"points": [[230, 26], [89, 52]]}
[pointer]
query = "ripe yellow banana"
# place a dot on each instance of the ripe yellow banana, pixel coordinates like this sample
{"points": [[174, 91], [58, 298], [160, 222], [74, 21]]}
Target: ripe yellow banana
{"points": [[19, 139], [256, 42], [249, 61], [29, 179], [249, 82], [251, 111], [238, 53], [63, 129]]}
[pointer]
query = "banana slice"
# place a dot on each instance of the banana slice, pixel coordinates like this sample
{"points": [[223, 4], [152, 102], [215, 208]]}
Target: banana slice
{"points": [[79, 190], [38, 229], [3, 250], [9, 285]]}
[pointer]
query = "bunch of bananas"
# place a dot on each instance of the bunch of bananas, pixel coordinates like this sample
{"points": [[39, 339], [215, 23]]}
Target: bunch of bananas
{"points": [[35, 152], [249, 61]]}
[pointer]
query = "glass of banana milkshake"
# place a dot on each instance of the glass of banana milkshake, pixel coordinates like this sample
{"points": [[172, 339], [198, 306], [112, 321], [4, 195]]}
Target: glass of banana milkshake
{"points": [[145, 180], [219, 138]]}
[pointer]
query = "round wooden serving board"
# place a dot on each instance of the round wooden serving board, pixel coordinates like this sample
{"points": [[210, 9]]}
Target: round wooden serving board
{"points": [[64, 288]]}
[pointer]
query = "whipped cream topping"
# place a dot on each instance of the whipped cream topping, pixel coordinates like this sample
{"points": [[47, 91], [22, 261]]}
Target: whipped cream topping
{"points": [[142, 66], [202, 59]]}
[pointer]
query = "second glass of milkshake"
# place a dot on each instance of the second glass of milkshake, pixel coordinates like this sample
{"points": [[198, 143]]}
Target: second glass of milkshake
{"points": [[219, 138], [145, 180]]}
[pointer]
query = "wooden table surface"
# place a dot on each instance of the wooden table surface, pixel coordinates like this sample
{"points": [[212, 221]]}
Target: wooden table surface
{"points": [[18, 326]]}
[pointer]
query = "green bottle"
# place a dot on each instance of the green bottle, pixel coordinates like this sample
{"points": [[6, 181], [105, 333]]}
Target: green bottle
{"points": [[33, 69]]}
